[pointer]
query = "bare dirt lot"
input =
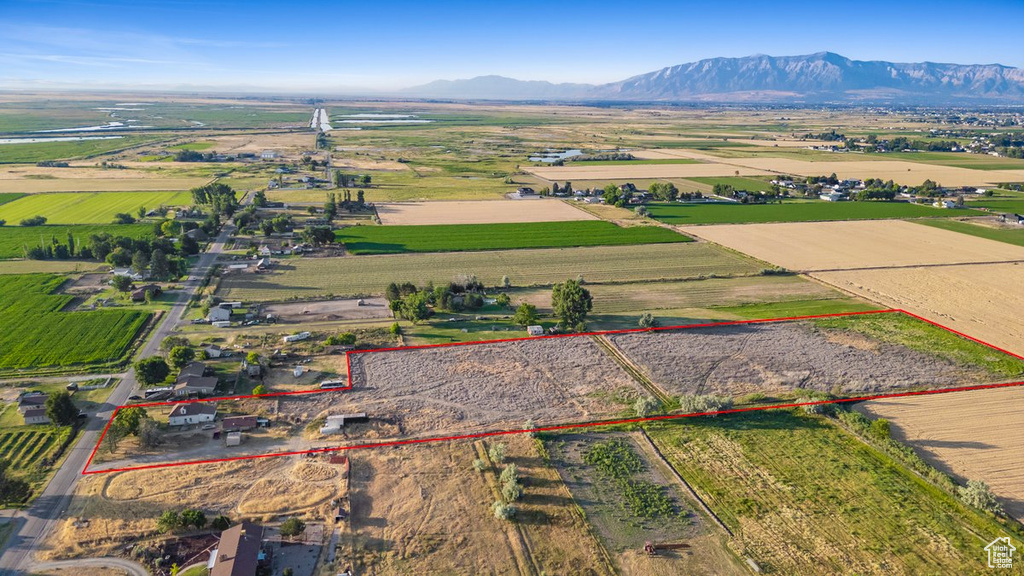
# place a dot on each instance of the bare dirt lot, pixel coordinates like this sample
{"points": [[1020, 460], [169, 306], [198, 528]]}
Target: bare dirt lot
{"points": [[110, 509], [935, 427], [902, 265], [782, 356], [327, 310], [490, 212], [287, 144]]}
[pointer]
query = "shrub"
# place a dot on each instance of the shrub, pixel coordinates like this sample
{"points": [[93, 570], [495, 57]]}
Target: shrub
{"points": [[221, 522], [345, 339], [292, 527], [168, 521], [503, 511], [645, 405], [396, 329], [34, 221], [880, 429], [647, 320], [497, 453], [976, 493], [696, 403], [479, 465]]}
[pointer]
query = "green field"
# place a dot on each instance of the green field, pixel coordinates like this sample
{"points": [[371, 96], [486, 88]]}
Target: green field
{"points": [[6, 197], [999, 205], [39, 151], [918, 335], [728, 213], [38, 334], [803, 496], [467, 237], [14, 239], [737, 182], [1008, 235], [87, 207], [366, 275]]}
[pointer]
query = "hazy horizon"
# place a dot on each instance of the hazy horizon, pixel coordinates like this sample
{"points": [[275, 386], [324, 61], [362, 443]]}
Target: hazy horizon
{"points": [[365, 50]]}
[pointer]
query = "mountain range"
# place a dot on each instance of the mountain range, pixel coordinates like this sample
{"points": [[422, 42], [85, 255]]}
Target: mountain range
{"points": [[824, 77]]}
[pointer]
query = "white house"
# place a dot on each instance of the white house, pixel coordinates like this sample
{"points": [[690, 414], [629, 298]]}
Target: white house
{"points": [[213, 351], [192, 413], [831, 197], [268, 155], [945, 204], [219, 314]]}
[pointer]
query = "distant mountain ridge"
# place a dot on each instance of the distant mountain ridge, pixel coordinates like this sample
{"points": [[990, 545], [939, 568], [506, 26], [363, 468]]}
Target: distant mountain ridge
{"points": [[815, 78]]}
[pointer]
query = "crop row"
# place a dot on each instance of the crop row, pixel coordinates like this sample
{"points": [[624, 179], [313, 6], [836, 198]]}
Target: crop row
{"points": [[23, 449], [36, 333]]}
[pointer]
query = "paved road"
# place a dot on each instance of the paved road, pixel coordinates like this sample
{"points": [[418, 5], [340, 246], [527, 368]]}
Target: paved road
{"points": [[32, 525], [69, 566]]}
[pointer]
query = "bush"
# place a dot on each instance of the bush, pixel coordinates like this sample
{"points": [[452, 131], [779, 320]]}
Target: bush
{"points": [[395, 329], [503, 511], [346, 339], [292, 527], [497, 453], [221, 522], [979, 495], [34, 221], [168, 521], [479, 465], [647, 320], [645, 405], [880, 429], [696, 403]]}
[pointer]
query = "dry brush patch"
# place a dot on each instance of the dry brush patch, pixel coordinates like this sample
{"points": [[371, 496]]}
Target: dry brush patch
{"points": [[632, 172], [786, 356]]}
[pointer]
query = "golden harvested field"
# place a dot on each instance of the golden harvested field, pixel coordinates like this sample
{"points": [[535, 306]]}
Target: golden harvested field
{"points": [[902, 172], [491, 212], [32, 186], [950, 278], [368, 275], [855, 244], [288, 143], [628, 171], [935, 427], [982, 301]]}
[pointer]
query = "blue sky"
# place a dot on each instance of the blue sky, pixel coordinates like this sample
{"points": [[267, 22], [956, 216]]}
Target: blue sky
{"points": [[375, 45]]}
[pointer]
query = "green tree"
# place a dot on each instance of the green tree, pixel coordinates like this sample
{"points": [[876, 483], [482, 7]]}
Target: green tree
{"points": [[259, 390], [611, 194], [647, 320], [180, 356], [292, 527], [497, 453], [503, 300], [221, 522], [169, 228], [645, 405], [318, 235], [193, 517], [571, 302], [168, 521], [414, 307], [395, 329], [61, 409], [122, 283], [12, 490], [252, 357], [159, 266], [140, 261], [129, 420], [152, 370], [526, 314], [503, 511]]}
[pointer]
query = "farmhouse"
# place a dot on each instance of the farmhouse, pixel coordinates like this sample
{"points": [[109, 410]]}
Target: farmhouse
{"points": [[268, 155], [192, 369], [213, 351], [240, 551], [32, 406], [198, 235], [219, 314], [192, 413]]}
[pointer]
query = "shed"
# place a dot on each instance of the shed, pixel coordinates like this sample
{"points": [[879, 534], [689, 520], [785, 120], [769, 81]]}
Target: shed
{"points": [[234, 423], [35, 415], [219, 314], [535, 330], [233, 438]]}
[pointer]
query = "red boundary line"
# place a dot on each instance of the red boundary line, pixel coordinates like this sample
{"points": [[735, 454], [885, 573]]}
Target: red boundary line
{"points": [[348, 363]]}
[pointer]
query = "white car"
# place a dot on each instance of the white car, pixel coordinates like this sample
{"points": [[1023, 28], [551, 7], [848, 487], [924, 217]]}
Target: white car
{"points": [[209, 426]]}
